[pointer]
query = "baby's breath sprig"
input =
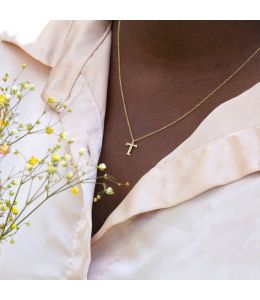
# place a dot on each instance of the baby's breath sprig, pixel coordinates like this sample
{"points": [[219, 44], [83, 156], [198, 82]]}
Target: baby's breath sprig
{"points": [[11, 130], [41, 178], [108, 181]]}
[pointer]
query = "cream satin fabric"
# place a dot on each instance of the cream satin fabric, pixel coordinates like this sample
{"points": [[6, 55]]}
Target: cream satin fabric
{"points": [[194, 215], [57, 246]]}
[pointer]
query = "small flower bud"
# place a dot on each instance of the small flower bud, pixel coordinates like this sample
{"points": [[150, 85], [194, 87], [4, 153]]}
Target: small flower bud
{"points": [[102, 167], [8, 96], [31, 86], [24, 85], [74, 191], [67, 157], [29, 167], [14, 89], [109, 191], [69, 176], [13, 226], [3, 100], [63, 135], [15, 210], [49, 130], [82, 151], [29, 126], [33, 161], [14, 131], [5, 77], [55, 157], [4, 149], [51, 100], [51, 170], [64, 163]]}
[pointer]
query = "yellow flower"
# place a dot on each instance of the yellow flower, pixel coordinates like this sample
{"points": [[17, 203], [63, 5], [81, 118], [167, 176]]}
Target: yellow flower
{"points": [[15, 210], [13, 226], [3, 124], [24, 85], [63, 135], [69, 175], [74, 191], [49, 130], [51, 170], [3, 100], [33, 161], [51, 100], [55, 157], [4, 148], [3, 208]]}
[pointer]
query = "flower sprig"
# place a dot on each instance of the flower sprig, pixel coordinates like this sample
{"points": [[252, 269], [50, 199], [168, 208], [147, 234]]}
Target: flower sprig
{"points": [[24, 191], [107, 189], [11, 95]]}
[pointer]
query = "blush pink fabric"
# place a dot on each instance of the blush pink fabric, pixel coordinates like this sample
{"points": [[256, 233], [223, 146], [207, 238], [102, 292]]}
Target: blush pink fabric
{"points": [[194, 215]]}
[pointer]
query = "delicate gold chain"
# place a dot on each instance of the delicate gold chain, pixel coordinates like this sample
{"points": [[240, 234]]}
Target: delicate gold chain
{"points": [[181, 117]]}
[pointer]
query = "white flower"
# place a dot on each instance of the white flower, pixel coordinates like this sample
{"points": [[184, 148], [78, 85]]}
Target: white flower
{"points": [[63, 163], [102, 167], [8, 96], [109, 191], [82, 151], [31, 86], [15, 151], [67, 157], [14, 131], [28, 167], [14, 89]]}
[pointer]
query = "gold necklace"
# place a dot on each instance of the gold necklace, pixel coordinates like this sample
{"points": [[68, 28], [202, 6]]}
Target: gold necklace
{"points": [[133, 143]]}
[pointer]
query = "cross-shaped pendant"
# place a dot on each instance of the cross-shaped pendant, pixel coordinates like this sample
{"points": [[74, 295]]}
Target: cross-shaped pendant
{"points": [[130, 147]]}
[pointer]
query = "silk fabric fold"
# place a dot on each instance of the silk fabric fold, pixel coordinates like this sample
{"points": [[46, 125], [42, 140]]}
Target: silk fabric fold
{"points": [[194, 215]]}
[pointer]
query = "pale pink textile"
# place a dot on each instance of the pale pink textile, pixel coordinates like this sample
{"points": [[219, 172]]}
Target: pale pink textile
{"points": [[184, 219]]}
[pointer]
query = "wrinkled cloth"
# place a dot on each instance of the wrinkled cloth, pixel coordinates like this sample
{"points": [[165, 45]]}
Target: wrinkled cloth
{"points": [[194, 215]]}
